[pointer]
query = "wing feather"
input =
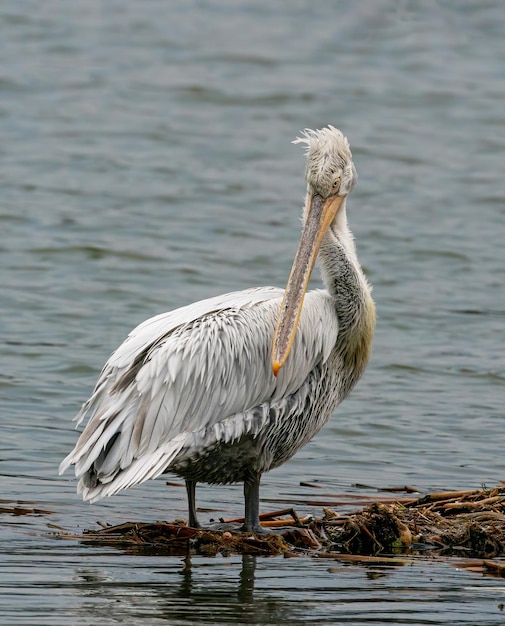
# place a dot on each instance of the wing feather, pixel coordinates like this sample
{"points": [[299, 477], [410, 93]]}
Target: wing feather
{"points": [[182, 375]]}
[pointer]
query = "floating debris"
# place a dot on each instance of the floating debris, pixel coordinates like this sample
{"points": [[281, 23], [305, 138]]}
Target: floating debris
{"points": [[464, 523], [162, 537], [487, 568], [470, 523], [21, 508]]}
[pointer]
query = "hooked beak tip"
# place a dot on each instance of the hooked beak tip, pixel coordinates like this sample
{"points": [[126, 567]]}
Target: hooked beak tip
{"points": [[276, 366]]}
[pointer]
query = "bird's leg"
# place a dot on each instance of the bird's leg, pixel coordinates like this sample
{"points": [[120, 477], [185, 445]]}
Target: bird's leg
{"points": [[252, 504], [190, 489]]}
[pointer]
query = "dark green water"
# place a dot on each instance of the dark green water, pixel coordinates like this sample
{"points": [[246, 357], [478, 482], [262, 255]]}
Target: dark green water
{"points": [[146, 163]]}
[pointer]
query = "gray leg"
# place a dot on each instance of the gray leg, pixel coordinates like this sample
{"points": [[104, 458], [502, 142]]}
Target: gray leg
{"points": [[190, 489], [252, 504]]}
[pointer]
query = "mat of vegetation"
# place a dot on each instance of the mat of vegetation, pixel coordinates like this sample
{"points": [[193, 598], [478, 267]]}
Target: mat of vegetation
{"points": [[462, 523]]}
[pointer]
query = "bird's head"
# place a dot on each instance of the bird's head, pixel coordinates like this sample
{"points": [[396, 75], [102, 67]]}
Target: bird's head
{"points": [[330, 170], [330, 176]]}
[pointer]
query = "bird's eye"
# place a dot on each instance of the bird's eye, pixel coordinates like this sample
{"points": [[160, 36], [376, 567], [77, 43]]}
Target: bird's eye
{"points": [[336, 183]]}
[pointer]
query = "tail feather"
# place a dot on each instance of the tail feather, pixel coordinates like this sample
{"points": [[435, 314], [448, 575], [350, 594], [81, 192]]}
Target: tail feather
{"points": [[93, 485]]}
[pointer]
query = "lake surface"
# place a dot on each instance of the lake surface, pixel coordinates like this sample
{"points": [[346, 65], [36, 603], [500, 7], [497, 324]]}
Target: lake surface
{"points": [[146, 163]]}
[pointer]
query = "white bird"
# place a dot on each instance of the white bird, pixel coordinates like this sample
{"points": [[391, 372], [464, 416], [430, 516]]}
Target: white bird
{"points": [[225, 389]]}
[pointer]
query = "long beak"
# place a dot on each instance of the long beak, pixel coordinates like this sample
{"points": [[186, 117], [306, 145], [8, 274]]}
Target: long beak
{"points": [[320, 214]]}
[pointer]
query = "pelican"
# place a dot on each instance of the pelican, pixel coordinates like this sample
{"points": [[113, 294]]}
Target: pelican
{"points": [[228, 388]]}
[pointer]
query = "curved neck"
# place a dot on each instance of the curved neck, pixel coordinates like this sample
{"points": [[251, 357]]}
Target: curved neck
{"points": [[341, 271], [347, 284]]}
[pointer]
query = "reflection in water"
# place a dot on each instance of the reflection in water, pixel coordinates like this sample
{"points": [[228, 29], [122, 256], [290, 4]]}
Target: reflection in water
{"points": [[94, 579], [245, 591], [227, 595], [206, 589], [187, 578], [200, 592], [128, 588]]}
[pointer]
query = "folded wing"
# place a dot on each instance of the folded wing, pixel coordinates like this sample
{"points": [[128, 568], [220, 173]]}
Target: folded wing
{"points": [[185, 372]]}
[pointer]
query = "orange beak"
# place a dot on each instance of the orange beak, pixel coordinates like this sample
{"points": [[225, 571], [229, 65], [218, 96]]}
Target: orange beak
{"points": [[320, 214]]}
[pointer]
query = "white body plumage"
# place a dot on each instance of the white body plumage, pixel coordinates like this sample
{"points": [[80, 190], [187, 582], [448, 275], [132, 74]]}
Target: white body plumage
{"points": [[192, 391], [204, 379]]}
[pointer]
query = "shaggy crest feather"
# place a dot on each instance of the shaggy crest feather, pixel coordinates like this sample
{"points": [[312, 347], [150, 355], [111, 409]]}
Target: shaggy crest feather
{"points": [[328, 157]]}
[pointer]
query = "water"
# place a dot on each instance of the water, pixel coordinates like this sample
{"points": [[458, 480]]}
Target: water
{"points": [[145, 164]]}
